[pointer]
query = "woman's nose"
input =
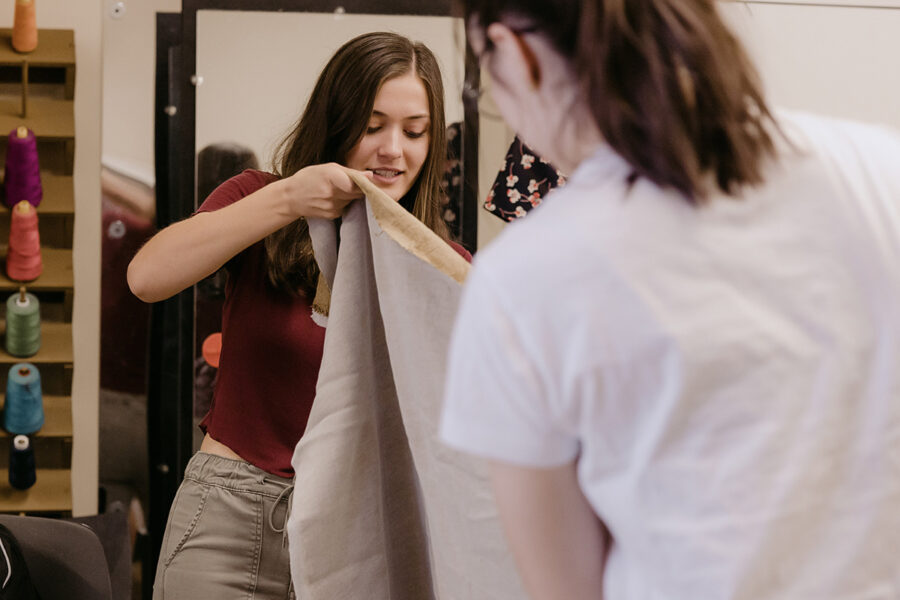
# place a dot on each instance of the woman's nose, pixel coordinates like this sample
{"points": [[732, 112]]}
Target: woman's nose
{"points": [[390, 144]]}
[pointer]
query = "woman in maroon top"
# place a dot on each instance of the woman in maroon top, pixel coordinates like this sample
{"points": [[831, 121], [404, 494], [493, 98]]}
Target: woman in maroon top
{"points": [[377, 108]]}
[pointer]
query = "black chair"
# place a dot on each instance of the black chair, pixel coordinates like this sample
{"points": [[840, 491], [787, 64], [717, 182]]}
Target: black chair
{"points": [[111, 527], [65, 560]]}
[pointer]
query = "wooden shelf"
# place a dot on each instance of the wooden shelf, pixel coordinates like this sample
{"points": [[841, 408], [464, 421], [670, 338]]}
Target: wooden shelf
{"points": [[59, 195], [52, 492], [57, 274], [50, 89], [49, 118], [56, 48], [57, 418], [56, 346]]}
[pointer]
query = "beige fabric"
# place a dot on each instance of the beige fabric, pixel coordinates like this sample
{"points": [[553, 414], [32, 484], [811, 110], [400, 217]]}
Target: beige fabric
{"points": [[383, 510]]}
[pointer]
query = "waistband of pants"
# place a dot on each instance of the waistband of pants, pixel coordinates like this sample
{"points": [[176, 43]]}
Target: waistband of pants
{"points": [[238, 475]]}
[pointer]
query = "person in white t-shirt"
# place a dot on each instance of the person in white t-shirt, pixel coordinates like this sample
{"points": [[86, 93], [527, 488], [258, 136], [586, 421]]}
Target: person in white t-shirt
{"points": [[684, 366]]}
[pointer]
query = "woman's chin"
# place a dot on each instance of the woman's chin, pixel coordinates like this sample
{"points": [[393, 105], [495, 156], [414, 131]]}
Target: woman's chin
{"points": [[393, 190]]}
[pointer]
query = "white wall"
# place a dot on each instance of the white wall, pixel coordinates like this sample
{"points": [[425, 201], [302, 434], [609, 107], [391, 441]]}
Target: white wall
{"points": [[84, 17], [835, 60]]}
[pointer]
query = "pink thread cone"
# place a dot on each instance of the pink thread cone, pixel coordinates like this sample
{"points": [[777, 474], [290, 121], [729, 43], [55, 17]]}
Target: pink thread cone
{"points": [[23, 260]]}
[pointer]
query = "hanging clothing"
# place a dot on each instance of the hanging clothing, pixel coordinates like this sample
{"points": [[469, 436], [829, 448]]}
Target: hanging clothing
{"points": [[522, 183]]}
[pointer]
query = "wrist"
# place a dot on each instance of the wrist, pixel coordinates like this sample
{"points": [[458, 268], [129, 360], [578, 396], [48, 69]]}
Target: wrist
{"points": [[287, 192]]}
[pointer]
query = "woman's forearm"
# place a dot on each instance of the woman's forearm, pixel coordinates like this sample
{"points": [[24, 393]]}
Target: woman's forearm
{"points": [[186, 252]]}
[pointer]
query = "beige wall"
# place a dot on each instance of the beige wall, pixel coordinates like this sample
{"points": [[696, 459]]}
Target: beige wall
{"points": [[494, 138], [84, 17], [835, 60]]}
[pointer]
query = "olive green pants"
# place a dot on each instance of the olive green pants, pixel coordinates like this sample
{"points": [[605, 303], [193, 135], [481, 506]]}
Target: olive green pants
{"points": [[225, 536]]}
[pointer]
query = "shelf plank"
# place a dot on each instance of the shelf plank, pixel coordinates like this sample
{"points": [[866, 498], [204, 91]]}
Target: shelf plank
{"points": [[51, 492], [57, 418], [56, 346], [59, 195], [57, 274], [49, 118], [56, 48]]}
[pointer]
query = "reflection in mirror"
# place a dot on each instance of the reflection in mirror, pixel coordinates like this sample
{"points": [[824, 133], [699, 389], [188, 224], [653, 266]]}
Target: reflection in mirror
{"points": [[255, 72]]}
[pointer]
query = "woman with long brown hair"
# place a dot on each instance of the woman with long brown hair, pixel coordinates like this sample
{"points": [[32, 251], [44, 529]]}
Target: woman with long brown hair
{"points": [[700, 390], [377, 109]]}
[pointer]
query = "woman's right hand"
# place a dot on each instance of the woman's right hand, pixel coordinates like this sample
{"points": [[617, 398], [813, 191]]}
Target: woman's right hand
{"points": [[186, 252], [322, 191]]}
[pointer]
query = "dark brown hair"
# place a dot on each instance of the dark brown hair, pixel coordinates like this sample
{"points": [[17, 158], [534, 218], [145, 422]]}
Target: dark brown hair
{"points": [[669, 86], [334, 120], [218, 162]]}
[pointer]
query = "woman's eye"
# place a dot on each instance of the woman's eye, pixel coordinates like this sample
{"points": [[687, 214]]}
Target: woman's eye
{"points": [[415, 134], [374, 129]]}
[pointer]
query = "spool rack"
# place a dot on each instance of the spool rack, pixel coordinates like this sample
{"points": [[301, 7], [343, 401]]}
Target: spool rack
{"points": [[37, 90]]}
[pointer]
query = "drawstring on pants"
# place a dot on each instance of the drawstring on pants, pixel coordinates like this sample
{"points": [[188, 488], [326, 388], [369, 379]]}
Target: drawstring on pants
{"points": [[287, 491]]}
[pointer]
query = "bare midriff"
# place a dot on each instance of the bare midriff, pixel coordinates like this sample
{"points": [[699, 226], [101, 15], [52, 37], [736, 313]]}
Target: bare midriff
{"points": [[211, 446]]}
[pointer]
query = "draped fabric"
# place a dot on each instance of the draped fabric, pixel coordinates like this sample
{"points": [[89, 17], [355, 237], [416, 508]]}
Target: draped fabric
{"points": [[381, 509]]}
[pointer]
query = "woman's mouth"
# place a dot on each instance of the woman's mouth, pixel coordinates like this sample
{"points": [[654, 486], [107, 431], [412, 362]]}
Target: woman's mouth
{"points": [[386, 176]]}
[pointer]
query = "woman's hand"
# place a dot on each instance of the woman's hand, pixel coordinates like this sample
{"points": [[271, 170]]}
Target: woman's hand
{"points": [[186, 252], [321, 191]]}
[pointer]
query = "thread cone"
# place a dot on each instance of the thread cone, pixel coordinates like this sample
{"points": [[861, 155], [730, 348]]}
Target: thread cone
{"points": [[23, 260], [25, 33], [22, 168]]}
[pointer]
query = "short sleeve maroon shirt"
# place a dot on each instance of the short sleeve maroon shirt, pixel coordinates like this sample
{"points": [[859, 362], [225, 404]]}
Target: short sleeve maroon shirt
{"points": [[271, 353]]}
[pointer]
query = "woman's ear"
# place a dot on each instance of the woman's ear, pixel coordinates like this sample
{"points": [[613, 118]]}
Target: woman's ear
{"points": [[515, 60]]}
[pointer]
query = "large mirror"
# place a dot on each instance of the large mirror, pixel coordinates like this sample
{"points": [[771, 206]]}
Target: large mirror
{"points": [[255, 72], [235, 84]]}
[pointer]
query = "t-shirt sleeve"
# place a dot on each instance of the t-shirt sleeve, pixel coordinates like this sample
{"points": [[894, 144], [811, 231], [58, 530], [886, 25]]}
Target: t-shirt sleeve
{"points": [[496, 400], [229, 192], [235, 188], [461, 251]]}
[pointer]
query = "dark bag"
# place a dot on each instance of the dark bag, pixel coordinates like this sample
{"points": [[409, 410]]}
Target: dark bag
{"points": [[15, 582]]}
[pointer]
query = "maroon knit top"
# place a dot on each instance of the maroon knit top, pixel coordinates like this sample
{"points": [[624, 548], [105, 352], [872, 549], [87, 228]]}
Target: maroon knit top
{"points": [[271, 352]]}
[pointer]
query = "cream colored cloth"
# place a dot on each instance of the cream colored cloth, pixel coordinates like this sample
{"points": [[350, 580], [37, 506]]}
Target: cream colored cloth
{"points": [[381, 509]]}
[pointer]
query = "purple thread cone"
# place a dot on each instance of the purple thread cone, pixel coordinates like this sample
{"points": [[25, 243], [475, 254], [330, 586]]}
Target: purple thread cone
{"points": [[22, 177]]}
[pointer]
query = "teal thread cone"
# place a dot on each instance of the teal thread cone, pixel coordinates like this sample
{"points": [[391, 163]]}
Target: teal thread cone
{"points": [[24, 410], [23, 324]]}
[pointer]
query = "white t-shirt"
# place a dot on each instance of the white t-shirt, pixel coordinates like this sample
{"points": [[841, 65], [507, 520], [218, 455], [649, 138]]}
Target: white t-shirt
{"points": [[728, 377]]}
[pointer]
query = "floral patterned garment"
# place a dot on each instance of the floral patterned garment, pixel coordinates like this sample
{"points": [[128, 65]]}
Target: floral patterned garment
{"points": [[522, 183], [451, 182]]}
